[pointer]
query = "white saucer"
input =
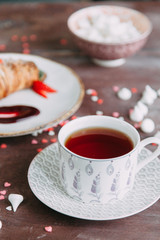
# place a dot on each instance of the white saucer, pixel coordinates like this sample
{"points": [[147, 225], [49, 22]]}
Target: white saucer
{"points": [[43, 178]]}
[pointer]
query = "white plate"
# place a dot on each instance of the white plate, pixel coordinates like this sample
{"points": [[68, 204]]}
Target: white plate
{"points": [[43, 178], [57, 107]]}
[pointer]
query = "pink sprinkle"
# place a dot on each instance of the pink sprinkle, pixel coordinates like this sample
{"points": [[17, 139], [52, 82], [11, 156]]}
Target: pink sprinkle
{"points": [[44, 140], [3, 145], [7, 184], [34, 141], [100, 101], [130, 110], [63, 41], [53, 140], [33, 37], [25, 45], [134, 90], [115, 88], [14, 37], [3, 192], [39, 149], [115, 114], [73, 117], [48, 229], [1, 197], [154, 144], [26, 51], [50, 129], [24, 38], [63, 123], [137, 125], [2, 47], [94, 92]]}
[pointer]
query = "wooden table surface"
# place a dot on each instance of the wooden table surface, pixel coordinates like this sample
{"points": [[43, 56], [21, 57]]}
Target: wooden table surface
{"points": [[40, 29]]}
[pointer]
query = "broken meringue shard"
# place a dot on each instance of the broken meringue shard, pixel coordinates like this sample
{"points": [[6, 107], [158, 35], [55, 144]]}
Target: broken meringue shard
{"points": [[15, 200], [139, 112], [149, 95], [136, 115], [142, 107]]}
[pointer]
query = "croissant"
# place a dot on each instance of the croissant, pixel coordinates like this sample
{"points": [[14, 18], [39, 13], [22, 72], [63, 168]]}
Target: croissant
{"points": [[17, 75]]}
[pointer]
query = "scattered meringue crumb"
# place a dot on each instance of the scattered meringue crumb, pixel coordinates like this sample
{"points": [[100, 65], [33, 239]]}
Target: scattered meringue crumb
{"points": [[94, 98], [15, 200], [124, 94], [0, 224], [51, 133], [99, 112], [35, 134], [147, 125], [91, 91], [9, 208]]}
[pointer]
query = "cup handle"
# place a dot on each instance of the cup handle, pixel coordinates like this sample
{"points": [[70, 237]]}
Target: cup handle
{"points": [[154, 154]]}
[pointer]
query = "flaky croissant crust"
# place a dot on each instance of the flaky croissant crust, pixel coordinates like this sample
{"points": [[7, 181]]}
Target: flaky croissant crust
{"points": [[17, 75]]}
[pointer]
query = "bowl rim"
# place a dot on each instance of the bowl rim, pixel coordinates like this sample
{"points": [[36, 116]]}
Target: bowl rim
{"points": [[141, 37]]}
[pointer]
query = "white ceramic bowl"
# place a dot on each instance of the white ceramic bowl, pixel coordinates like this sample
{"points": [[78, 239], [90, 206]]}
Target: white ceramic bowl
{"points": [[111, 53]]}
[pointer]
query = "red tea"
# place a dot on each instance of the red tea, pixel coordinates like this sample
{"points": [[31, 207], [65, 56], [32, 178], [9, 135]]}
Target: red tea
{"points": [[99, 143]]}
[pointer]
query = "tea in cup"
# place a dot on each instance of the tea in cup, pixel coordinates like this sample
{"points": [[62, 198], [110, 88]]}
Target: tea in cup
{"points": [[98, 158]]}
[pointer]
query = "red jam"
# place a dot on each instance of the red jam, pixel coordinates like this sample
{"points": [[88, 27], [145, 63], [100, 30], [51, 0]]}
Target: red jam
{"points": [[12, 114]]}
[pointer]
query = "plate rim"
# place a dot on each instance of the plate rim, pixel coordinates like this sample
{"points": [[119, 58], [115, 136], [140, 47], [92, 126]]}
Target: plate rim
{"points": [[80, 216], [64, 116]]}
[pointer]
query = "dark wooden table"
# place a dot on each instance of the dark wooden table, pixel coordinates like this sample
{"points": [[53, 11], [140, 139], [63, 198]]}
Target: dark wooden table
{"points": [[40, 29]]}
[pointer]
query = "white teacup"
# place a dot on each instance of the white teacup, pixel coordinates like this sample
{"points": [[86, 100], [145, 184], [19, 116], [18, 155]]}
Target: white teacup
{"points": [[101, 180]]}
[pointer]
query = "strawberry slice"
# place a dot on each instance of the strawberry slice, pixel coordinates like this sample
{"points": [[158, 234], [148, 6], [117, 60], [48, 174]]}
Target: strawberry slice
{"points": [[41, 92], [42, 88]]}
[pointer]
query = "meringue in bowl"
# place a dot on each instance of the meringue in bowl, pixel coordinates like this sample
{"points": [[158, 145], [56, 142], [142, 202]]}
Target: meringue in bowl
{"points": [[109, 34]]}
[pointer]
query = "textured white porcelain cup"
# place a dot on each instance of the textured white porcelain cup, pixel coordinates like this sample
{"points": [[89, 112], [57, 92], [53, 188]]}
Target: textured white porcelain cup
{"points": [[101, 180]]}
